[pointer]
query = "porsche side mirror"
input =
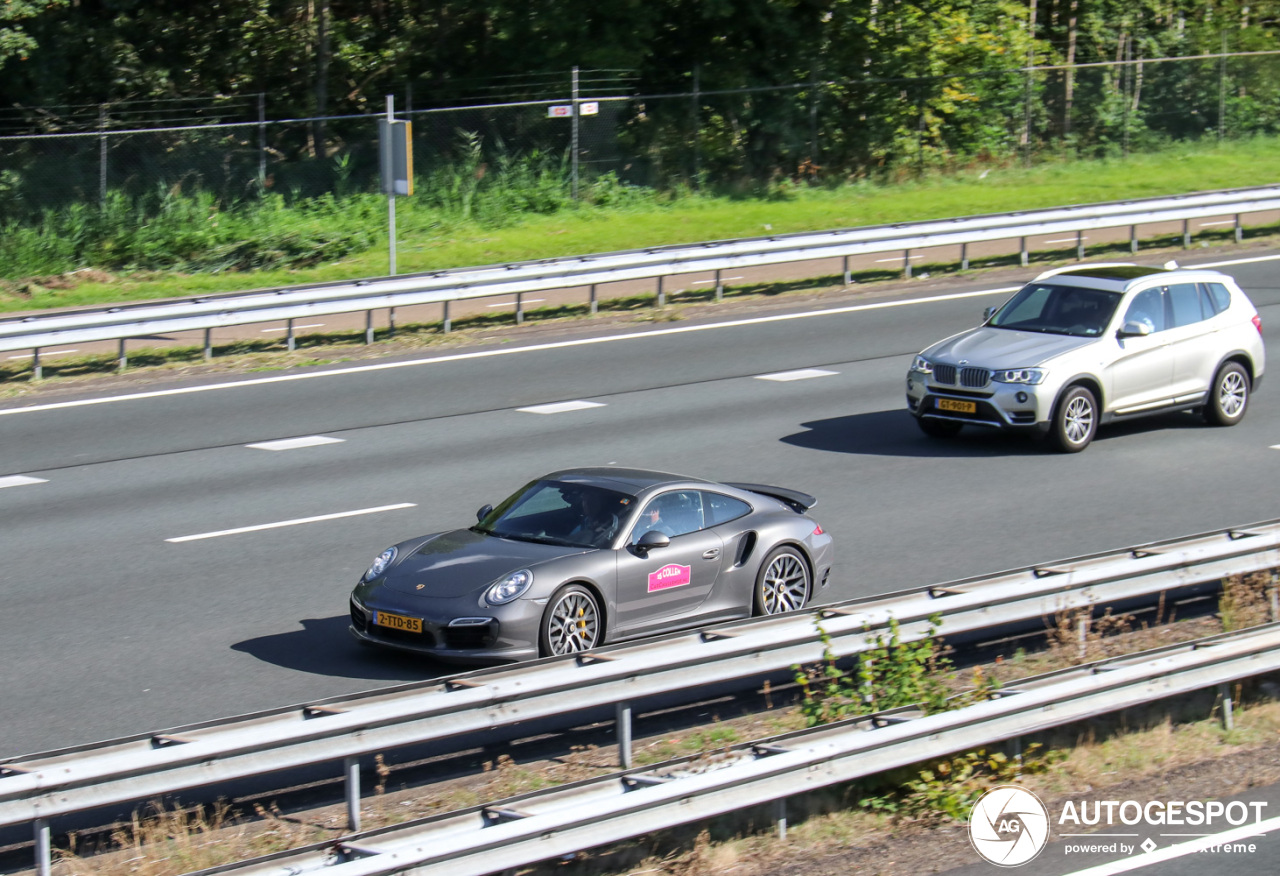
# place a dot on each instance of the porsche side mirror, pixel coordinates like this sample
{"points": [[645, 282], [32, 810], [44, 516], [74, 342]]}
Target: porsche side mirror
{"points": [[652, 539], [1134, 330], [483, 513], [989, 312]]}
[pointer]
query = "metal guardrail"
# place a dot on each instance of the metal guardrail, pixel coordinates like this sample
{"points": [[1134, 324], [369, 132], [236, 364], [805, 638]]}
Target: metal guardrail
{"points": [[217, 311], [546, 824], [35, 788]]}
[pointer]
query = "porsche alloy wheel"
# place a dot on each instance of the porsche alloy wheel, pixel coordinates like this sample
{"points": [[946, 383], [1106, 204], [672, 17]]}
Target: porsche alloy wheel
{"points": [[783, 582], [571, 623]]}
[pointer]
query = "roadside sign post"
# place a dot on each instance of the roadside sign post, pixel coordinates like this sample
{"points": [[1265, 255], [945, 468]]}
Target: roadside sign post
{"points": [[395, 154]]}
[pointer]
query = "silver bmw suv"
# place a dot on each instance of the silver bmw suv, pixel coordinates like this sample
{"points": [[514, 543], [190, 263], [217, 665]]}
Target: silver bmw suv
{"points": [[1079, 347]]}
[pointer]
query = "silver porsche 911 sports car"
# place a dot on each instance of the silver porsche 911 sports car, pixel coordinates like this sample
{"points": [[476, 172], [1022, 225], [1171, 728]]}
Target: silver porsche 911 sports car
{"points": [[593, 555]]}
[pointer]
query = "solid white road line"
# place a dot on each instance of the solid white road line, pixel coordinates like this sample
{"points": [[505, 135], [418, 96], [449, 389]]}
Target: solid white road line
{"points": [[298, 522], [802, 374], [20, 481], [556, 345], [295, 443], [561, 407]]}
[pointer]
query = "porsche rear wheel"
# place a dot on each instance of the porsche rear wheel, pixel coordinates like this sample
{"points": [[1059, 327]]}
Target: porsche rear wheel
{"points": [[571, 622], [783, 583]]}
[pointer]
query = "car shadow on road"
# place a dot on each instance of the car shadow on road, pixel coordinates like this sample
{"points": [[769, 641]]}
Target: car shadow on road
{"points": [[324, 647], [895, 433]]}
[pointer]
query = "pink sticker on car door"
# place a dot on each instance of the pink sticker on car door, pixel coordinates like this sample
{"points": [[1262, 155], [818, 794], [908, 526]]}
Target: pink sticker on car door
{"points": [[670, 575]]}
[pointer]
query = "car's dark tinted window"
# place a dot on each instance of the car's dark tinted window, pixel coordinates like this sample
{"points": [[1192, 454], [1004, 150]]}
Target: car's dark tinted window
{"points": [[1185, 300], [554, 512], [679, 512], [1220, 296], [722, 509], [1147, 308], [1060, 310]]}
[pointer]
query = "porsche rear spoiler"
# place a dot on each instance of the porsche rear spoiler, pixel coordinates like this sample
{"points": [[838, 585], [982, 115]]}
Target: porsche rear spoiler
{"points": [[796, 500]]}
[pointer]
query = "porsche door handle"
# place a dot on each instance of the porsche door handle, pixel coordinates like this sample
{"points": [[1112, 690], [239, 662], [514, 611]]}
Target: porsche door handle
{"points": [[711, 554]]}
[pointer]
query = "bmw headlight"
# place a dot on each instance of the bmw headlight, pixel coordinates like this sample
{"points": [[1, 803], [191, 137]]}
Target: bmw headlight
{"points": [[922, 365], [511, 587], [380, 563], [1020, 375]]}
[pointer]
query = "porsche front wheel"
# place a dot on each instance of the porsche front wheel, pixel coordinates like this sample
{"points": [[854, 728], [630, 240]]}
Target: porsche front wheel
{"points": [[571, 622]]}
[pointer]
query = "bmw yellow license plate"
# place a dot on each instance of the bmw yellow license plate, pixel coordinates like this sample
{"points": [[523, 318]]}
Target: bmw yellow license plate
{"points": [[959, 407], [398, 621]]}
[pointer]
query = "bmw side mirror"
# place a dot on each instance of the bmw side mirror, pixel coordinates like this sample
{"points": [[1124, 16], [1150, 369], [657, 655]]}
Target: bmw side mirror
{"points": [[483, 513], [652, 539], [1134, 330], [988, 313]]}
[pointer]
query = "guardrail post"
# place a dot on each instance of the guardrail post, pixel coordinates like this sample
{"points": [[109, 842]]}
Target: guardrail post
{"points": [[623, 722], [662, 295], [519, 308], [595, 304], [1082, 633], [848, 277], [1273, 596], [36, 370], [1186, 234], [289, 344], [391, 321], [351, 769], [1239, 229], [44, 848], [122, 359], [208, 344], [1228, 719], [1133, 238], [780, 816], [720, 284], [445, 321], [368, 326], [1079, 246], [1023, 258], [964, 256], [906, 263]]}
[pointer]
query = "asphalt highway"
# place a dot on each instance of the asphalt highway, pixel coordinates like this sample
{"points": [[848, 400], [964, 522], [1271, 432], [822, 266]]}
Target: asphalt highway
{"points": [[157, 568]]}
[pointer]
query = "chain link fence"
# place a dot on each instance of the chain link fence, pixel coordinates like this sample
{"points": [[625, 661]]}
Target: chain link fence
{"points": [[715, 138]]}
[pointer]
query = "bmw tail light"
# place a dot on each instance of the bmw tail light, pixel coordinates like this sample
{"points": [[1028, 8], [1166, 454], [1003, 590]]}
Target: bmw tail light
{"points": [[1257, 323]]}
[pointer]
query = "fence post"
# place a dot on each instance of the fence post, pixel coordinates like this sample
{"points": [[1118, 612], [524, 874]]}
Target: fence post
{"points": [[102, 154], [1228, 718], [574, 148], [623, 721]]}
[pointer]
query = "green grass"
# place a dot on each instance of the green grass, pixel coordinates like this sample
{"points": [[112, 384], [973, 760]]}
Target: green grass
{"points": [[430, 237]]}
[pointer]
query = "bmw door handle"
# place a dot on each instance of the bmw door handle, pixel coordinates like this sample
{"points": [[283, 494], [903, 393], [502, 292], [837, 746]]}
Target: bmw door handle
{"points": [[711, 554]]}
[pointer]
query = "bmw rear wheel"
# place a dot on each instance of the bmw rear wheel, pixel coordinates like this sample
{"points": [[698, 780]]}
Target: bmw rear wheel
{"points": [[571, 622], [1229, 396], [783, 583], [1075, 421]]}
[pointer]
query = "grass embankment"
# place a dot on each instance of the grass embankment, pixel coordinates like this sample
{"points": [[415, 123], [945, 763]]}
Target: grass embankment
{"points": [[184, 245]]}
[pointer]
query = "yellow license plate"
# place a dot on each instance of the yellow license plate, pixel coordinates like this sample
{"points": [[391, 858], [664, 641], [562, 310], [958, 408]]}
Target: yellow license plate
{"points": [[959, 407], [398, 621]]}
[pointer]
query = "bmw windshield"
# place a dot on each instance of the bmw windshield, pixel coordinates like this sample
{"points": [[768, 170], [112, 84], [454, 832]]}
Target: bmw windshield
{"points": [[554, 512], [1058, 310]]}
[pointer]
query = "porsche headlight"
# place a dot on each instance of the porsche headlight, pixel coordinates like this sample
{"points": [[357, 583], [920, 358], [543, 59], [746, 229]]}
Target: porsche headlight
{"points": [[1030, 376], [511, 587], [922, 365], [380, 563]]}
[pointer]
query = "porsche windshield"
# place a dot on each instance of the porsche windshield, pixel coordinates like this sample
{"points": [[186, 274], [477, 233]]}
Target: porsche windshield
{"points": [[1058, 310], [554, 512]]}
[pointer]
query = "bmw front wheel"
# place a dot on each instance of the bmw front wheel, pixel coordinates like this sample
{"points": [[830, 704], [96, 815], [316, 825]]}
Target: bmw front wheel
{"points": [[1075, 421], [782, 584], [571, 622]]}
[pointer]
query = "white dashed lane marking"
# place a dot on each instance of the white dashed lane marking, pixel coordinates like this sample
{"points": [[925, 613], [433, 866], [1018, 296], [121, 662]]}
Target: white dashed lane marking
{"points": [[298, 522], [802, 374], [295, 443], [561, 407], [20, 481]]}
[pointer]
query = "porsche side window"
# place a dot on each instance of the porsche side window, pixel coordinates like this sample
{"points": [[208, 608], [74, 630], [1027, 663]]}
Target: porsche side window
{"points": [[676, 513], [722, 509]]}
